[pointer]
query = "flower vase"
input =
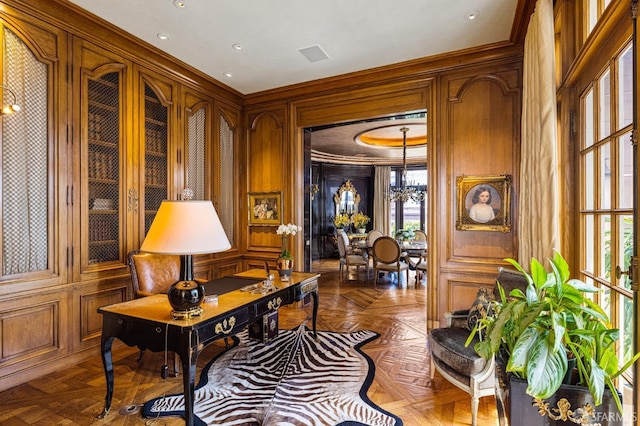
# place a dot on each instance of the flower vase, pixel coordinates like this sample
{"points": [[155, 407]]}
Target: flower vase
{"points": [[285, 267], [362, 230]]}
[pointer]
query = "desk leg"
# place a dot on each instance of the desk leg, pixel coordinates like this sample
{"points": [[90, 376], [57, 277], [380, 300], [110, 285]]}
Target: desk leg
{"points": [[107, 363], [314, 295], [189, 358]]}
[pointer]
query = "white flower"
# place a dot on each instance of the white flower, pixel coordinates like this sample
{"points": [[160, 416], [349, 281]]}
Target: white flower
{"points": [[289, 229]]}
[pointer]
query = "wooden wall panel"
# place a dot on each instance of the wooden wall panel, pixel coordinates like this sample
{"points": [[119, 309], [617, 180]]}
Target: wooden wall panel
{"points": [[91, 320], [268, 170], [32, 329], [361, 104], [481, 145], [28, 331], [481, 137], [461, 291]]}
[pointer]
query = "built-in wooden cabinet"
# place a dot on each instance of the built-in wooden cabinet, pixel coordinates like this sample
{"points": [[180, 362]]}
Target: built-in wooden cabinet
{"points": [[102, 185], [132, 158], [101, 140]]}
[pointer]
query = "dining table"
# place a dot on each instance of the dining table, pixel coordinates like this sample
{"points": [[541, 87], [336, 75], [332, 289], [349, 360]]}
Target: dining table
{"points": [[411, 248]]}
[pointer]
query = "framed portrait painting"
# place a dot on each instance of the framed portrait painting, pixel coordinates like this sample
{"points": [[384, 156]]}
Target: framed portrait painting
{"points": [[265, 208], [484, 203]]}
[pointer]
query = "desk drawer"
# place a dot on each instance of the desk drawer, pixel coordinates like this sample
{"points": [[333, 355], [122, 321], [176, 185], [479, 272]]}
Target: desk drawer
{"points": [[228, 325], [273, 302]]}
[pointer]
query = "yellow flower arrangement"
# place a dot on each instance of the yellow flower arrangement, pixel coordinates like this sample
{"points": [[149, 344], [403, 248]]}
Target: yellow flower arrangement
{"points": [[342, 220], [360, 220]]}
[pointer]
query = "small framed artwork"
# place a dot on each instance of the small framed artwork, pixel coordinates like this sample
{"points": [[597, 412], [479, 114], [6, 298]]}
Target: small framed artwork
{"points": [[484, 203], [265, 208]]}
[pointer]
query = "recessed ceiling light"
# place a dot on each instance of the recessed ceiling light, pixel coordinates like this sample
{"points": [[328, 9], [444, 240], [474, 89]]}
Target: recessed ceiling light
{"points": [[180, 4], [163, 36], [472, 15], [228, 74], [237, 46]]}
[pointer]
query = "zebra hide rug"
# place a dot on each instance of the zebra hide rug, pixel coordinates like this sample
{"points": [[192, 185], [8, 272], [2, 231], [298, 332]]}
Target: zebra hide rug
{"points": [[292, 380]]}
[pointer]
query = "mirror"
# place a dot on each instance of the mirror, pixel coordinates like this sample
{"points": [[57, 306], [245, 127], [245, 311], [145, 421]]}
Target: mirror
{"points": [[347, 199]]}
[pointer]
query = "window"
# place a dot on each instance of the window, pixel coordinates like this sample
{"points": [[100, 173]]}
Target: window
{"points": [[593, 11], [606, 205], [410, 214]]}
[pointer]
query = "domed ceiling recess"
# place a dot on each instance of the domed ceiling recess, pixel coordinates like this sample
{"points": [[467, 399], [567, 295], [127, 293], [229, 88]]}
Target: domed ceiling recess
{"points": [[371, 142]]}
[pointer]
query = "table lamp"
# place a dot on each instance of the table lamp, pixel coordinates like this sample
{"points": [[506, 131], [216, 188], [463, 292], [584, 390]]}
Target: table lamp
{"points": [[186, 228]]}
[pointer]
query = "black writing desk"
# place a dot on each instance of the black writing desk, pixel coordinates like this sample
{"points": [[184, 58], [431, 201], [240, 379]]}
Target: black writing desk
{"points": [[147, 323]]}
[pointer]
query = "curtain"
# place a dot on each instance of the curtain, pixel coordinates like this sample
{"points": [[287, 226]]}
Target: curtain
{"points": [[197, 140], [381, 205], [25, 235], [538, 198], [226, 198]]}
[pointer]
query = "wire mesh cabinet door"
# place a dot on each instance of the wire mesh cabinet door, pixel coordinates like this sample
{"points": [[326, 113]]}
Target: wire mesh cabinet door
{"points": [[104, 200]]}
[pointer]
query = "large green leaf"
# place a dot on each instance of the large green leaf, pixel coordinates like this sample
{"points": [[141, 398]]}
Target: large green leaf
{"points": [[596, 382], [557, 280], [561, 265], [520, 354], [545, 368], [558, 327]]}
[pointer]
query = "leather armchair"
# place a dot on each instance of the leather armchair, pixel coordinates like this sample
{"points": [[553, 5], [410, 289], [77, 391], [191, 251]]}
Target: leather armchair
{"points": [[460, 364], [153, 273]]}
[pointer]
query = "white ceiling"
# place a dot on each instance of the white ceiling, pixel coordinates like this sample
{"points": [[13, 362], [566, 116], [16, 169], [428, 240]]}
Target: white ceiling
{"points": [[355, 34]]}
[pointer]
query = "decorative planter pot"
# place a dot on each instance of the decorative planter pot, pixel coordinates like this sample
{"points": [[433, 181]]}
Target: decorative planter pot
{"points": [[569, 405], [362, 230], [285, 267]]}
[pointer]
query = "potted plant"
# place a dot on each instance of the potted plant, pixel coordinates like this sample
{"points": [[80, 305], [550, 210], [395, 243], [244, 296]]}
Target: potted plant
{"points": [[539, 334], [360, 221], [405, 235], [342, 220], [285, 260]]}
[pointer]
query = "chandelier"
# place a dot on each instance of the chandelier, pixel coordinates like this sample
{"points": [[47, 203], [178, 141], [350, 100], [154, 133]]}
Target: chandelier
{"points": [[406, 192]]}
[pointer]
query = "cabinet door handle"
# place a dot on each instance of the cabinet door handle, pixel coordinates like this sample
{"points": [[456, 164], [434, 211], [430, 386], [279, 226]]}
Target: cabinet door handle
{"points": [[132, 200]]}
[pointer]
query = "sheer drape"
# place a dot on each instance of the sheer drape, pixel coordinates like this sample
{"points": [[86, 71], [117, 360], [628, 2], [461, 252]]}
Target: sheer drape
{"points": [[196, 146], [24, 162], [538, 198], [381, 205], [226, 211]]}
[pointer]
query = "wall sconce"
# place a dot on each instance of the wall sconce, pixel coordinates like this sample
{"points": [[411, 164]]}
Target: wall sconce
{"points": [[314, 190], [11, 108]]}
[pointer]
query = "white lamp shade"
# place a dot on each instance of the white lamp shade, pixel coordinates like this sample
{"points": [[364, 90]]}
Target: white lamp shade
{"points": [[186, 227]]}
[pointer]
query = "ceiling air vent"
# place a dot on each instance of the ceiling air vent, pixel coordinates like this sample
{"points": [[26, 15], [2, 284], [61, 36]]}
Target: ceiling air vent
{"points": [[314, 53]]}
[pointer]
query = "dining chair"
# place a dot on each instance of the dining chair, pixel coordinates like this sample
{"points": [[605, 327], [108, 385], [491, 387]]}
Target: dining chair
{"points": [[419, 263], [421, 236], [349, 258], [388, 257], [372, 236]]}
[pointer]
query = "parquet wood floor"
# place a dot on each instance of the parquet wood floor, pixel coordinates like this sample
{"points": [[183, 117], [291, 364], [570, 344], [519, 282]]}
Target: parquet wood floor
{"points": [[402, 385]]}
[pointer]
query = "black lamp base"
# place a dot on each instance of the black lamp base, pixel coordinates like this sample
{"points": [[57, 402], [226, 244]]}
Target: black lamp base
{"points": [[186, 295]]}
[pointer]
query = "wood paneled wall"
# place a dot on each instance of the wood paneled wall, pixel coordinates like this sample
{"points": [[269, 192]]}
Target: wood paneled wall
{"points": [[473, 121], [472, 100]]}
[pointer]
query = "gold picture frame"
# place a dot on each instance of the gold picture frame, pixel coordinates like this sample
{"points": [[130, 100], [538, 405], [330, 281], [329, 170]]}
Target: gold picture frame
{"points": [[484, 203], [265, 208]]}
